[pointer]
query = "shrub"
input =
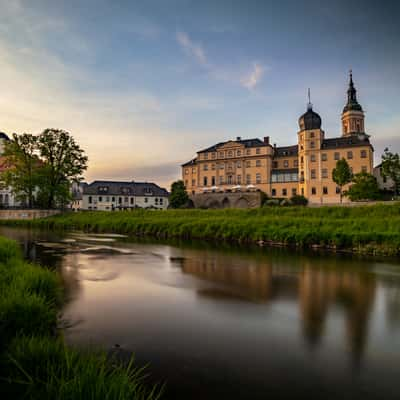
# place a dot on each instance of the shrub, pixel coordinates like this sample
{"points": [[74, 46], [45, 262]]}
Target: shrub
{"points": [[285, 202], [299, 200]]}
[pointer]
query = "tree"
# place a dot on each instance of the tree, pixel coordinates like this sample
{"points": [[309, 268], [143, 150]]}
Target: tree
{"points": [[364, 187], [391, 168], [341, 175], [63, 162], [178, 197], [22, 173]]}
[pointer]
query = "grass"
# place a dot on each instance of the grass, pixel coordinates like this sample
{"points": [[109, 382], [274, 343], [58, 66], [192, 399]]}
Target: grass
{"points": [[365, 229], [35, 363]]}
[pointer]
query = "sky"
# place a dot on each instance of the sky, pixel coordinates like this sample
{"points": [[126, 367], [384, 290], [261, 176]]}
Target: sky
{"points": [[143, 85]]}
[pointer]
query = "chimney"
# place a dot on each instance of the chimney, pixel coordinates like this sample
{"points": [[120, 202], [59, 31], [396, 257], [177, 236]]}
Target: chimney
{"points": [[266, 139], [275, 145], [238, 138]]}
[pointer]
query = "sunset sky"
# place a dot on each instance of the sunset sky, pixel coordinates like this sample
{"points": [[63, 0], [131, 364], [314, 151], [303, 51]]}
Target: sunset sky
{"points": [[142, 85]]}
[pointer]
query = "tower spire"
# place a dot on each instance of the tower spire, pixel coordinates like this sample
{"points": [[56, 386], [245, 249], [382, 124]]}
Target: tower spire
{"points": [[309, 104], [352, 103]]}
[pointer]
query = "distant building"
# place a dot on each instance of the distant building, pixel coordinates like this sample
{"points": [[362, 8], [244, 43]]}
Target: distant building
{"points": [[384, 183], [304, 168], [111, 195]]}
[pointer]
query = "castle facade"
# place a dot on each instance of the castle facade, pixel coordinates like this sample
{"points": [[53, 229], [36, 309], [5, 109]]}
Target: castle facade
{"points": [[282, 172]]}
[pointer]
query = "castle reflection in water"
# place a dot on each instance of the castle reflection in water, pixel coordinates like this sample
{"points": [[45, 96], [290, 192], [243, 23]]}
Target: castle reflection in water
{"points": [[318, 285]]}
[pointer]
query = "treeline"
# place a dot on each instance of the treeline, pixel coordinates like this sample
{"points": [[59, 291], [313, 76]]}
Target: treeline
{"points": [[40, 168], [365, 229], [35, 363]]}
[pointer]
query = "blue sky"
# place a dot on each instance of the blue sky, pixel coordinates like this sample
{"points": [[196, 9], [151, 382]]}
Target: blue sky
{"points": [[142, 85]]}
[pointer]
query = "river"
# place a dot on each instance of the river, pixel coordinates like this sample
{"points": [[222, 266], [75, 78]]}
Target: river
{"points": [[222, 322]]}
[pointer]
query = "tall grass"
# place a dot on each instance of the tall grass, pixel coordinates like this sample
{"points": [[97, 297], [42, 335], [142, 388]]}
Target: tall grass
{"points": [[370, 229], [34, 361]]}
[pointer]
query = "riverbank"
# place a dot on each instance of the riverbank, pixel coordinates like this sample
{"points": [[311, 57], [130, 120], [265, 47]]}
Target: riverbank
{"points": [[373, 230], [34, 361]]}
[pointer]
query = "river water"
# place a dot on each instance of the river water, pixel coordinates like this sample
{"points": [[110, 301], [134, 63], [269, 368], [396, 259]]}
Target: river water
{"points": [[219, 322]]}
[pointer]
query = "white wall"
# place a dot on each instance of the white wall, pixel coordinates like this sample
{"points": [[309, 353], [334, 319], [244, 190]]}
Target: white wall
{"points": [[108, 202]]}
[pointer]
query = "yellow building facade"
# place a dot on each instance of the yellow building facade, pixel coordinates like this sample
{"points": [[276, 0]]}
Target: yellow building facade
{"points": [[304, 168]]}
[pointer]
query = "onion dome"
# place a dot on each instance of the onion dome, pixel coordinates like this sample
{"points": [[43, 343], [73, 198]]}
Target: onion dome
{"points": [[310, 119], [352, 103]]}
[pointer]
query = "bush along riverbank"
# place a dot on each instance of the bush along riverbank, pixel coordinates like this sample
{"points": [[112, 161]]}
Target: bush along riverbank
{"points": [[371, 230], [34, 361]]}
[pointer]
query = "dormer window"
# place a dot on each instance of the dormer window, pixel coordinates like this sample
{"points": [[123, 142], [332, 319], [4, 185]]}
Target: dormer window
{"points": [[125, 190], [147, 191], [103, 189]]}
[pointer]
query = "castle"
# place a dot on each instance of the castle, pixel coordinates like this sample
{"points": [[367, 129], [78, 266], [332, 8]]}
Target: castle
{"points": [[282, 172]]}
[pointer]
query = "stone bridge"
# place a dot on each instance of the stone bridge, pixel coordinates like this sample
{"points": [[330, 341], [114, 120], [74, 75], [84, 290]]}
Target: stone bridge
{"points": [[227, 200]]}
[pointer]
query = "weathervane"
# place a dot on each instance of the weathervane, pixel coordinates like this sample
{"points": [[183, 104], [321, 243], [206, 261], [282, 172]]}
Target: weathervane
{"points": [[309, 106]]}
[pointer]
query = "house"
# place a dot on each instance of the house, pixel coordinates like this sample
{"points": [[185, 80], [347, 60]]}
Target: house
{"points": [[116, 195]]}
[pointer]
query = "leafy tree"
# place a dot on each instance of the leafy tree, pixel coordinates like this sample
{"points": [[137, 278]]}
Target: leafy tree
{"points": [[341, 175], [63, 162], [364, 187], [299, 200], [178, 197], [22, 174], [391, 168]]}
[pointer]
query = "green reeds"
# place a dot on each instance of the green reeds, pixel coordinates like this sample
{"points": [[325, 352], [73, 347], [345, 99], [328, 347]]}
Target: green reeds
{"points": [[34, 361]]}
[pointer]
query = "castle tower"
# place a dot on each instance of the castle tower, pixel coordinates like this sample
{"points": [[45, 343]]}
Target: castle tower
{"points": [[353, 114]]}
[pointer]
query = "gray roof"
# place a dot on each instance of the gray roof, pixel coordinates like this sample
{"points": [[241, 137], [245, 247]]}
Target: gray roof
{"points": [[286, 151], [191, 162], [4, 136], [117, 188], [346, 141], [246, 142]]}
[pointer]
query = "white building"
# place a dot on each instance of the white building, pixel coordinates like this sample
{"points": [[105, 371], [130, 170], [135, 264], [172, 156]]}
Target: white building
{"points": [[383, 182], [111, 195]]}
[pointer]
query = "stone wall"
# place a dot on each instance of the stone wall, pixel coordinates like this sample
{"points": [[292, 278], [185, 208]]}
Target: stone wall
{"points": [[227, 200], [27, 214]]}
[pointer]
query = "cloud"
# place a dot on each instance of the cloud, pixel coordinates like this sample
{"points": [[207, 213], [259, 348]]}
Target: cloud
{"points": [[251, 80], [191, 48]]}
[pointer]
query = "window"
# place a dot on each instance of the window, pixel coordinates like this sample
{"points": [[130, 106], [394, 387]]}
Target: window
{"points": [[337, 190], [313, 190], [285, 163], [313, 174], [312, 157], [146, 199], [257, 150], [294, 191], [273, 192], [248, 164], [239, 179], [213, 181], [311, 134], [221, 166], [213, 155], [205, 167], [258, 163], [186, 183], [324, 157], [363, 153], [295, 163], [324, 173], [302, 159], [363, 168], [113, 199], [248, 152], [161, 201], [274, 164], [349, 155], [221, 180], [238, 153], [238, 164], [302, 191], [248, 179], [193, 182], [156, 201], [283, 176], [324, 190], [284, 192], [230, 167], [258, 178], [131, 200], [230, 153], [337, 156], [100, 199], [221, 154], [107, 199], [90, 199], [126, 199], [230, 180], [205, 181], [206, 156], [312, 145], [187, 171], [213, 167], [119, 200], [193, 170]]}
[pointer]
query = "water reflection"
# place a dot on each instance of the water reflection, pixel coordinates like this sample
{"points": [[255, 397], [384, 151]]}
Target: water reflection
{"points": [[258, 318]]}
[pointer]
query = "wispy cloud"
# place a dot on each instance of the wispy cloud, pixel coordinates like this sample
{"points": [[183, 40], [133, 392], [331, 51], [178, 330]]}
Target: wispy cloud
{"points": [[251, 80], [192, 48], [248, 80]]}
